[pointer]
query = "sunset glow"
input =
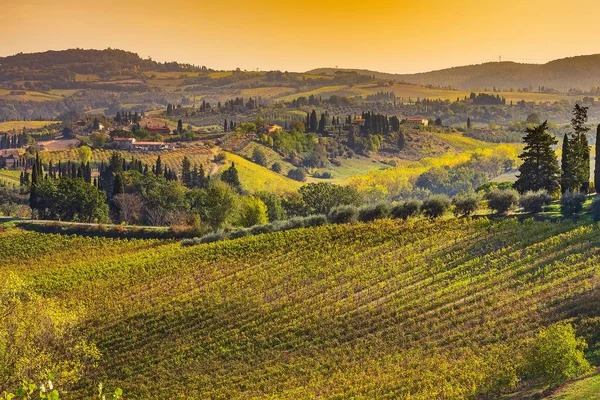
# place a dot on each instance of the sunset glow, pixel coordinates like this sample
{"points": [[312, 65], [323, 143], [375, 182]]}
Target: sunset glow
{"points": [[394, 36]]}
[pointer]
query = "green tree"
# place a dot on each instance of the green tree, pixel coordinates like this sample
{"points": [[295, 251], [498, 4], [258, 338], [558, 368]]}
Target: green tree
{"points": [[540, 170], [186, 172], [322, 197], [556, 355], [231, 177], [158, 168], [217, 204], [179, 126], [274, 205], [597, 166], [252, 212], [85, 154]]}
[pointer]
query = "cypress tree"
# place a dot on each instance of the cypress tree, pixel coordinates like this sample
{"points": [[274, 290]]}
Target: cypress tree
{"points": [[567, 180], [540, 168], [580, 149], [158, 169], [597, 166], [231, 177]]}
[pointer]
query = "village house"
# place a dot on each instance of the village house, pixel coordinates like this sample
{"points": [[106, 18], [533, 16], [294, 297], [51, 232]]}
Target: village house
{"points": [[149, 146], [124, 143], [267, 128], [417, 121], [155, 127]]}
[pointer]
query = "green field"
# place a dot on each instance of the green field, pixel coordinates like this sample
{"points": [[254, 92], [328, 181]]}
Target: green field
{"points": [[10, 125], [402, 310], [407, 91]]}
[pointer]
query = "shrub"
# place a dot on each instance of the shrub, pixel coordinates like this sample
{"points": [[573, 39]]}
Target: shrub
{"points": [[436, 206], [466, 203], [502, 200], [276, 167], [260, 229], [292, 223], [259, 157], [571, 203], [595, 209], [343, 215], [191, 242], [213, 237], [297, 174], [373, 212], [315, 220], [556, 355], [533, 202], [238, 233], [407, 209]]}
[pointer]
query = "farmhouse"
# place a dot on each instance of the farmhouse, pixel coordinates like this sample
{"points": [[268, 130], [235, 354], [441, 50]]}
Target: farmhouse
{"points": [[267, 128], [124, 143], [416, 121], [149, 146], [155, 127]]}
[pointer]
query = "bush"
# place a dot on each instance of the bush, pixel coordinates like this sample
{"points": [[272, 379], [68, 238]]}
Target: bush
{"points": [[595, 209], [407, 209], [260, 229], [315, 220], [571, 203], [213, 237], [502, 200], [436, 206], [343, 215], [373, 212], [297, 174], [533, 202], [276, 167], [259, 157], [292, 223], [191, 242], [238, 233], [556, 355], [466, 203]]}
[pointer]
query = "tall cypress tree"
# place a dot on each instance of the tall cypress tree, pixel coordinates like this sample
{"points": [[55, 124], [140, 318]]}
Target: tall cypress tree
{"points": [[568, 179], [231, 177], [540, 168], [597, 166], [158, 169], [580, 148]]}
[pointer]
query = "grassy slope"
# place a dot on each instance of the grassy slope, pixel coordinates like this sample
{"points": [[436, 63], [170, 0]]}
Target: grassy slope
{"points": [[7, 126], [383, 310], [256, 178], [587, 388]]}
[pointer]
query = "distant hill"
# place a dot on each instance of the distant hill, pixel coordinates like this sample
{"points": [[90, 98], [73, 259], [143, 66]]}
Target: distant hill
{"points": [[580, 72]]}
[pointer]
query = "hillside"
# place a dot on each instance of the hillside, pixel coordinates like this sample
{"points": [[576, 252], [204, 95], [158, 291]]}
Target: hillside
{"points": [[390, 309], [580, 72]]}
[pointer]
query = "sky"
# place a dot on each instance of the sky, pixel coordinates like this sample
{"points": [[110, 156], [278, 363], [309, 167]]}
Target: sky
{"points": [[384, 35]]}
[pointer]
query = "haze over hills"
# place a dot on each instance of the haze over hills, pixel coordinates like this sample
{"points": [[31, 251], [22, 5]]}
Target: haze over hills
{"points": [[581, 72]]}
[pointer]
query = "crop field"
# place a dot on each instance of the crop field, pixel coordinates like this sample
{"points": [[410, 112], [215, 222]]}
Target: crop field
{"points": [[388, 310], [257, 178], [269, 92], [10, 125], [29, 95], [404, 92]]}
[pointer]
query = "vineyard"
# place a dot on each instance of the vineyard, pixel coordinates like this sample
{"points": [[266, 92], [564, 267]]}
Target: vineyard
{"points": [[419, 310]]}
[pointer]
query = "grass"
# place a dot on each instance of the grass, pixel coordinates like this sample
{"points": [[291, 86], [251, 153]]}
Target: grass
{"points": [[29, 95], [406, 91], [587, 388], [257, 178], [10, 125], [391, 309]]}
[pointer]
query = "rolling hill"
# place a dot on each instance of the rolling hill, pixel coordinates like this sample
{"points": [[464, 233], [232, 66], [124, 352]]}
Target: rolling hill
{"points": [[402, 310], [580, 72]]}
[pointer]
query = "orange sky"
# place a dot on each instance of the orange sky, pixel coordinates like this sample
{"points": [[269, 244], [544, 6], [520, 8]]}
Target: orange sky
{"points": [[396, 36]]}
